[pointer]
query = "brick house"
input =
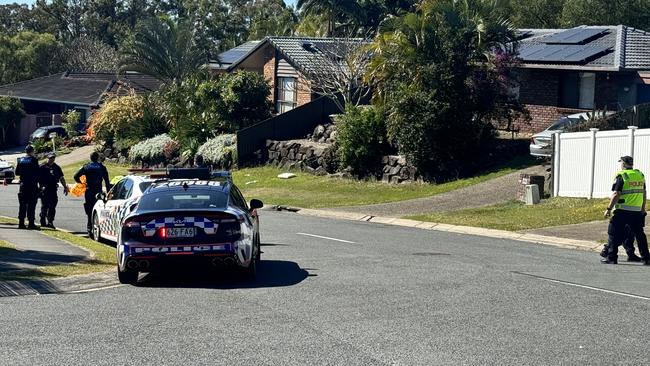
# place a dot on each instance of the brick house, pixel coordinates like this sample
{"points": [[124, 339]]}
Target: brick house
{"points": [[282, 61], [566, 71]]}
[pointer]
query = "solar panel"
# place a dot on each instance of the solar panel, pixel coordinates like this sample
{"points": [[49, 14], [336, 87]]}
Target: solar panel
{"points": [[561, 53], [573, 36]]}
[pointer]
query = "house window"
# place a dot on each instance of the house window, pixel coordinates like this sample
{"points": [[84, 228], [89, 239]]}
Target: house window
{"points": [[578, 90], [286, 92]]}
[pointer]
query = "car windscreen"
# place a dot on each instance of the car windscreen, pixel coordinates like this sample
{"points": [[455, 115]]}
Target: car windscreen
{"points": [[564, 123], [181, 199], [40, 132]]}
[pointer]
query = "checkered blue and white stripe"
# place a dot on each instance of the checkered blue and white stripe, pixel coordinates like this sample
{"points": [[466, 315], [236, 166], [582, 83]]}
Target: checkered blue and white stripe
{"points": [[208, 226]]}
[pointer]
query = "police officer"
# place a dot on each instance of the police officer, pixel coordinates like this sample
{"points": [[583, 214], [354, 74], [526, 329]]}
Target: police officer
{"points": [[95, 173], [199, 162], [27, 168], [50, 176], [628, 245], [628, 202]]}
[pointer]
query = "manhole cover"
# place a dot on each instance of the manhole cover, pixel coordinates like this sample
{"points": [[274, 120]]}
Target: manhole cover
{"points": [[429, 254]]}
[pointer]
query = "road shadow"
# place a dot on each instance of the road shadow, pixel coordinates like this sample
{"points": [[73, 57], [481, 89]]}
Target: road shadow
{"points": [[270, 273]]}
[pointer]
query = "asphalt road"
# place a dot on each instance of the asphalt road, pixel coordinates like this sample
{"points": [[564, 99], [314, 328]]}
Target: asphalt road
{"points": [[384, 295]]}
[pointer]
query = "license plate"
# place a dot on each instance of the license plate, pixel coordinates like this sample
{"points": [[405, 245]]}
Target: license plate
{"points": [[178, 232]]}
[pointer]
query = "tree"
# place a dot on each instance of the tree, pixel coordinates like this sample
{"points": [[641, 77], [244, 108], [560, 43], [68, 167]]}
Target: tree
{"points": [[28, 55], [536, 13], [634, 13], [434, 72], [271, 18], [338, 14], [164, 49], [89, 55], [337, 68], [11, 112]]}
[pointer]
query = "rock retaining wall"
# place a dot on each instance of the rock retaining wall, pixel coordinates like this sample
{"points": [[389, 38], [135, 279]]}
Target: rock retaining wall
{"points": [[396, 170], [313, 157]]}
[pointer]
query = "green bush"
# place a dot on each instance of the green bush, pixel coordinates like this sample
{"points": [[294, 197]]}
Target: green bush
{"points": [[150, 151], [220, 151], [361, 139], [70, 123], [132, 117]]}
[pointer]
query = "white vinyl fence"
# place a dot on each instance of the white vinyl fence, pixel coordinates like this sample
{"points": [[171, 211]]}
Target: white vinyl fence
{"points": [[585, 163]]}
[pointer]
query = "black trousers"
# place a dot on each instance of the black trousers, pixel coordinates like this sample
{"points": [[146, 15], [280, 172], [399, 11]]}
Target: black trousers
{"points": [[49, 200], [88, 207], [617, 232], [27, 199]]}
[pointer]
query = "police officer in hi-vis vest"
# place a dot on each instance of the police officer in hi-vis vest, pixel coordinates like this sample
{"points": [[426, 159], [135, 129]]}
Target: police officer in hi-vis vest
{"points": [[628, 205]]}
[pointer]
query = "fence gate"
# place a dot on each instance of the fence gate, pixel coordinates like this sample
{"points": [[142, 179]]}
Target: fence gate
{"points": [[585, 163]]}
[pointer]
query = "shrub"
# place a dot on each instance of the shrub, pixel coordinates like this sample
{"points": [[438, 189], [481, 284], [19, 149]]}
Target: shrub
{"points": [[361, 139], [150, 151], [127, 117], [78, 141], [171, 149], [42, 146], [220, 151], [70, 123]]}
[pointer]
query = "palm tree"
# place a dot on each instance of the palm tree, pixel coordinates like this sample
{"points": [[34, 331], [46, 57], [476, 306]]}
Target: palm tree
{"points": [[164, 49]]}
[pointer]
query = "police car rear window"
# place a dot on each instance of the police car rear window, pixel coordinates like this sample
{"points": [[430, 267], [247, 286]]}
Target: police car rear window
{"points": [[183, 200]]}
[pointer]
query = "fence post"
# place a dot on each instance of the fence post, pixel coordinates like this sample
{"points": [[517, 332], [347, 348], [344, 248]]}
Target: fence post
{"points": [[592, 166], [556, 164], [632, 129]]}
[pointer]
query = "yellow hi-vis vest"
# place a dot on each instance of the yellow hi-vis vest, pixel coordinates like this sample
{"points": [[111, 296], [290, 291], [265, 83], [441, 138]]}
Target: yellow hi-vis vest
{"points": [[631, 198]]}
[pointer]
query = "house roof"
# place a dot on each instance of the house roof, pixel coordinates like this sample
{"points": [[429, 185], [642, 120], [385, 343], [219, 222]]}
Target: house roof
{"points": [[83, 89], [233, 55], [302, 52], [605, 48]]}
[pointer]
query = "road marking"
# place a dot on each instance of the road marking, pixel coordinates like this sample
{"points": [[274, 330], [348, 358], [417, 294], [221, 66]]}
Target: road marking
{"points": [[584, 286], [94, 289], [327, 238]]}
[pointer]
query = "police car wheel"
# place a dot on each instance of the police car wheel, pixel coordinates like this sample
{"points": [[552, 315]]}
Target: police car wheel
{"points": [[251, 271], [128, 277], [96, 232]]}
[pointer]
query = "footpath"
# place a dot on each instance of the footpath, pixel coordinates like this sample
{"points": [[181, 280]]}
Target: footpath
{"points": [[32, 250]]}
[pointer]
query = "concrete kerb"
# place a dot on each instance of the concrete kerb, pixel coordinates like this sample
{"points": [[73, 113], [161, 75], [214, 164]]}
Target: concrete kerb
{"points": [[469, 230]]}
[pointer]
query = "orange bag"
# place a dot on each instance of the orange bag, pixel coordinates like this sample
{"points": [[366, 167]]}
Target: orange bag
{"points": [[78, 189]]}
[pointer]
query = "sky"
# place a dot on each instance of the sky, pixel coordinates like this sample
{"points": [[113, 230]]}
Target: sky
{"points": [[288, 2]]}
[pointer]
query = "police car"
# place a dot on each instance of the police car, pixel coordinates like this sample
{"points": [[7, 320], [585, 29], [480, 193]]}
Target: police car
{"points": [[112, 207], [191, 215]]}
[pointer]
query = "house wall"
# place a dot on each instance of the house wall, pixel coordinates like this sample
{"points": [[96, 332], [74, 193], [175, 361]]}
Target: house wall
{"points": [[540, 92]]}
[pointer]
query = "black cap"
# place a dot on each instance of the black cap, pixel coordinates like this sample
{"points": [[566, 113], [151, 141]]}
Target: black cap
{"points": [[29, 149], [627, 160]]}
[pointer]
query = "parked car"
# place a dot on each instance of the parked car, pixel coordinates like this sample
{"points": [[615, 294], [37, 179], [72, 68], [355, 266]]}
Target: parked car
{"points": [[7, 171], [541, 144], [43, 133], [192, 217]]}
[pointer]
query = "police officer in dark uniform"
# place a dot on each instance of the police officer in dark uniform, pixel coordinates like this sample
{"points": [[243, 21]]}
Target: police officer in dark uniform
{"points": [[199, 162], [628, 245], [50, 176], [628, 201], [95, 173], [27, 168]]}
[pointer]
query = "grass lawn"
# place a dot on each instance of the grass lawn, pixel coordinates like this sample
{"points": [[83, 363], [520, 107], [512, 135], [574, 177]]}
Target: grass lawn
{"points": [[113, 170], [309, 191], [515, 216], [104, 259]]}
